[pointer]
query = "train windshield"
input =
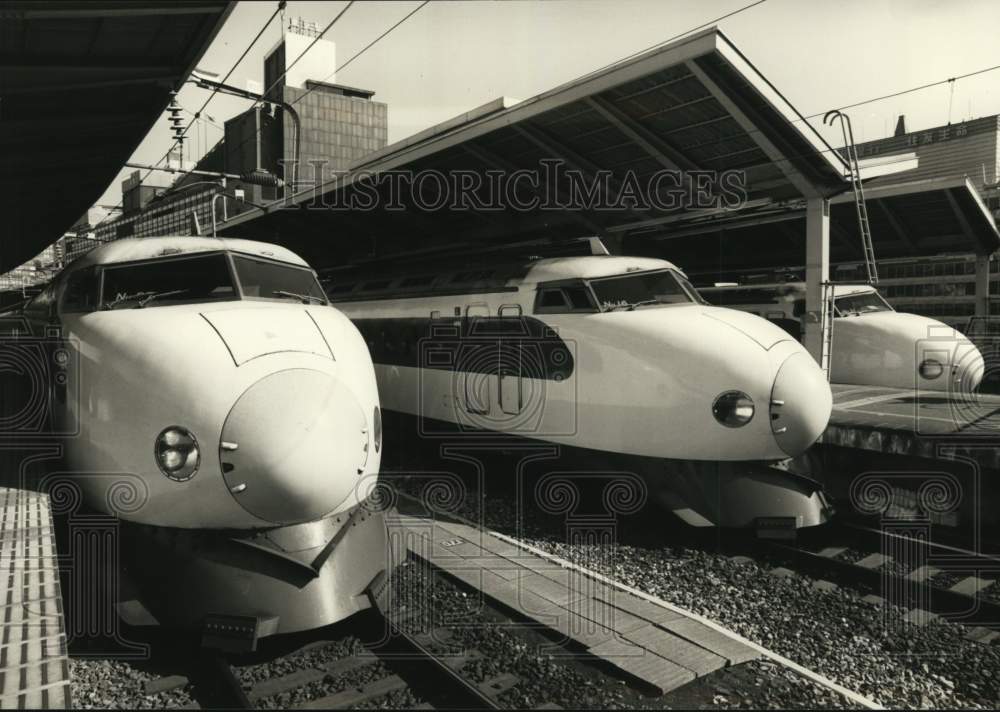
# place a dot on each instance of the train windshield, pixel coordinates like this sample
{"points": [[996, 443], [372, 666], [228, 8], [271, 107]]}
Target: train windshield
{"points": [[201, 278], [861, 303], [262, 279], [629, 291]]}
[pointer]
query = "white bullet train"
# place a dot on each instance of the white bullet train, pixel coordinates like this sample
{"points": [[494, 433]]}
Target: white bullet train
{"points": [[873, 344], [617, 358], [215, 402]]}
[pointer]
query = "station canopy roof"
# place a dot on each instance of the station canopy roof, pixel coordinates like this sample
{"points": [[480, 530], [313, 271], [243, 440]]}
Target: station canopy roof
{"points": [[696, 104], [907, 220], [82, 83]]}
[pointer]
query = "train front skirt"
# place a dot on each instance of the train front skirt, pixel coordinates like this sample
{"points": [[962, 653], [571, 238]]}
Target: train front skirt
{"points": [[238, 587]]}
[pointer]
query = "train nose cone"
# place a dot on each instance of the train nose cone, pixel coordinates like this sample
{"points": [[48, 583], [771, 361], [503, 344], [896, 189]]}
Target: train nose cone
{"points": [[968, 369], [293, 445], [801, 403]]}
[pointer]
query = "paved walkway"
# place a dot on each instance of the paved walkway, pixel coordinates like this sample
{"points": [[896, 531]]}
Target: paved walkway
{"points": [[657, 645], [34, 668]]}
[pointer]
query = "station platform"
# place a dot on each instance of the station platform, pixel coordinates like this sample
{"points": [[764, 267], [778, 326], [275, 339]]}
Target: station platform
{"points": [[659, 645], [916, 423], [34, 666]]}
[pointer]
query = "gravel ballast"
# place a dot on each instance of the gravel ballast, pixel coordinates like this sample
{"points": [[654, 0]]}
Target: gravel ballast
{"points": [[864, 647], [861, 646], [572, 680], [116, 684]]}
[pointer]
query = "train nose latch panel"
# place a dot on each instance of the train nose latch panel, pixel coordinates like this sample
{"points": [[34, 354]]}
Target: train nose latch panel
{"points": [[290, 449], [796, 408]]}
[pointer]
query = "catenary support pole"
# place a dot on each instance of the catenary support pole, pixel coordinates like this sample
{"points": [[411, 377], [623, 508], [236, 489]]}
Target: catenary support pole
{"points": [[817, 272], [982, 285]]}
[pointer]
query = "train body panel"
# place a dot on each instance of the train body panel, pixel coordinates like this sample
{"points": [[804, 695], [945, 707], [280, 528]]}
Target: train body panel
{"points": [[564, 352], [888, 348], [125, 392], [230, 417], [873, 344], [632, 381]]}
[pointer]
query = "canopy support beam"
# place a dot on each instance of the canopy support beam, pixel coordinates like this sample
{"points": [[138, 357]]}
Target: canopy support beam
{"points": [[805, 187], [817, 273], [982, 285]]}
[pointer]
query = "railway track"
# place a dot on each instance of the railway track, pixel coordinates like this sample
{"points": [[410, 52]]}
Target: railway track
{"points": [[928, 578], [392, 661]]}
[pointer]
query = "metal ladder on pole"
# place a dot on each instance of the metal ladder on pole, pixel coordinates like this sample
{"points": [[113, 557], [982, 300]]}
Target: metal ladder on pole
{"points": [[826, 328], [864, 227]]}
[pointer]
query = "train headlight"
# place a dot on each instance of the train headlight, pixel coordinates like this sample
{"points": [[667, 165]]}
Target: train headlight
{"points": [[177, 453], [734, 409], [930, 369], [377, 429]]}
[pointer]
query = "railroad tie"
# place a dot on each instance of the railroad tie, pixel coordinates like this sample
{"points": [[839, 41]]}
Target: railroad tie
{"points": [[358, 695]]}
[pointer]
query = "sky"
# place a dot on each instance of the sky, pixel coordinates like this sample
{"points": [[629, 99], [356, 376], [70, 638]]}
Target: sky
{"points": [[453, 56]]}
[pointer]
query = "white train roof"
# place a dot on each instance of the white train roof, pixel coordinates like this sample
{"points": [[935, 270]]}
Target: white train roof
{"points": [[145, 248], [590, 266], [839, 290]]}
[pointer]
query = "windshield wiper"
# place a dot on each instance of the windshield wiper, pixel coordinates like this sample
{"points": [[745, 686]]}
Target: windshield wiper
{"points": [[630, 305], [643, 303], [304, 298], [126, 298], [156, 295]]}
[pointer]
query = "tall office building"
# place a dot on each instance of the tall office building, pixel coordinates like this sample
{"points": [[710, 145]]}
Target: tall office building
{"points": [[308, 128]]}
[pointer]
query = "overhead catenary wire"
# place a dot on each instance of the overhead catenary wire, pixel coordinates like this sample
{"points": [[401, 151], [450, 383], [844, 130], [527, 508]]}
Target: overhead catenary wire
{"points": [[310, 90], [367, 47], [339, 68], [316, 39], [910, 90], [707, 24], [805, 118], [872, 100], [278, 9], [263, 97], [702, 26]]}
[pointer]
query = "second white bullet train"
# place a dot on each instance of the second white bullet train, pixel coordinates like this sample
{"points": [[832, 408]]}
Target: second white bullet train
{"points": [[612, 356], [873, 344]]}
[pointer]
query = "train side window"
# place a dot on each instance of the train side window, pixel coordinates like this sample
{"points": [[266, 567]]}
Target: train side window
{"points": [[579, 298], [551, 299], [80, 294], [564, 297]]}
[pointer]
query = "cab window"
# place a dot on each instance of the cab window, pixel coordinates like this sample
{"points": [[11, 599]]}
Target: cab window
{"points": [[860, 303], [564, 297], [186, 280], [262, 279], [551, 299], [629, 291]]}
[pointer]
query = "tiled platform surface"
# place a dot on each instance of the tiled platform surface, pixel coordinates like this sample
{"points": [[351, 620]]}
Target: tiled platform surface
{"points": [[34, 668], [655, 644], [910, 422]]}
